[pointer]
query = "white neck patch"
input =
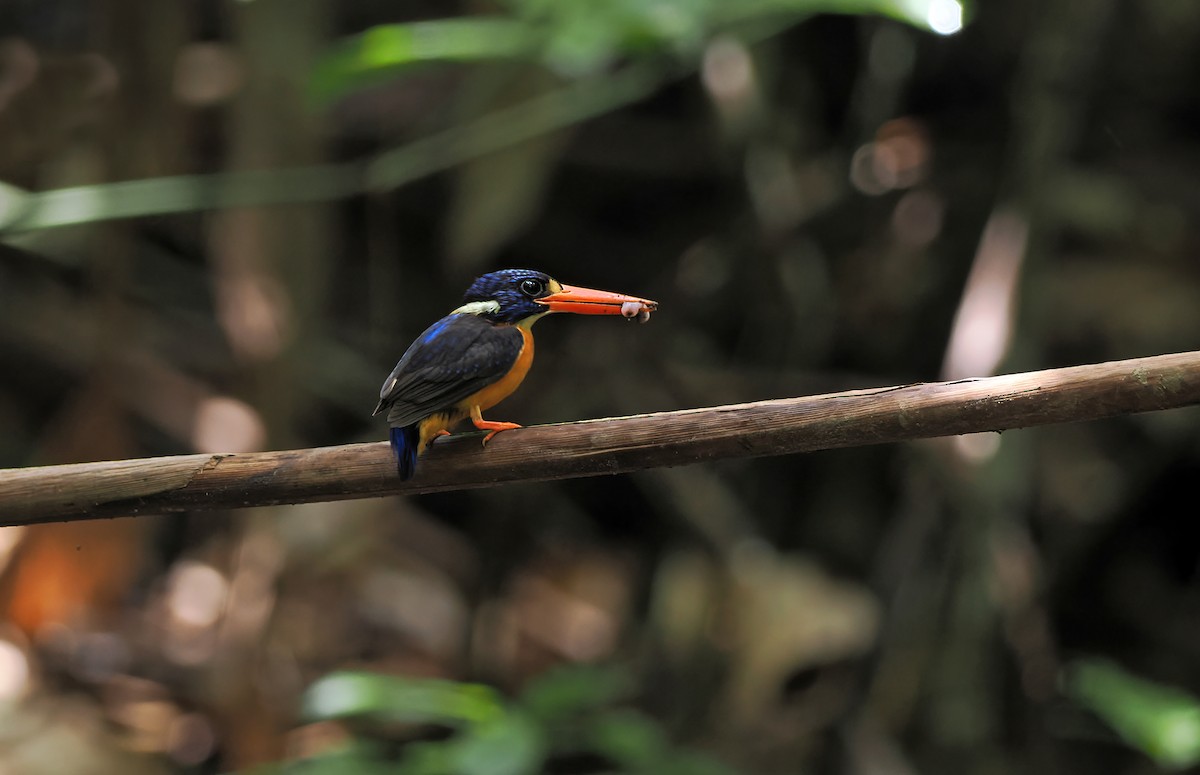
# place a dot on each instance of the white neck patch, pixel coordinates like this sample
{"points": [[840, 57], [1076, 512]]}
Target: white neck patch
{"points": [[478, 307]]}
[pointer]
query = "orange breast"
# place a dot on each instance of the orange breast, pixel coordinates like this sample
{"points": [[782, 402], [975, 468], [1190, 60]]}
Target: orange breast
{"points": [[498, 391]]}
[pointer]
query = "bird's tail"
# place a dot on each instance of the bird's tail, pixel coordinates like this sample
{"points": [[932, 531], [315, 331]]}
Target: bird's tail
{"points": [[406, 443]]}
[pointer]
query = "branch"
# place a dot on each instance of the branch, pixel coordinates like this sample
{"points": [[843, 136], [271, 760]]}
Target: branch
{"points": [[608, 446]]}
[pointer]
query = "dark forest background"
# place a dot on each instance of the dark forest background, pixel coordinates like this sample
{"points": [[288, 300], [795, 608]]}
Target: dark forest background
{"points": [[221, 223]]}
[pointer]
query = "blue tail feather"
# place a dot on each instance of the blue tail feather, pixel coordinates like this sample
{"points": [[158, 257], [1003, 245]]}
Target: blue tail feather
{"points": [[405, 445]]}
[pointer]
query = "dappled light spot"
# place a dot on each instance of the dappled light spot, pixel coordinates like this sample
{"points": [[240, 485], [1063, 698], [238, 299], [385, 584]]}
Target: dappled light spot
{"points": [[729, 76], [254, 313], [945, 17], [10, 539], [15, 674], [196, 594], [983, 324], [191, 739], [225, 424], [195, 600], [977, 447], [207, 74], [143, 708], [897, 158], [570, 625], [728, 71]]}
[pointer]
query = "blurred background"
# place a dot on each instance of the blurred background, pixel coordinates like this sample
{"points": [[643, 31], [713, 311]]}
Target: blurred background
{"points": [[222, 222]]}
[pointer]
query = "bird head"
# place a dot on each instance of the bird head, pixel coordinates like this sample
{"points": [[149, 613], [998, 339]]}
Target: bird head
{"points": [[520, 296]]}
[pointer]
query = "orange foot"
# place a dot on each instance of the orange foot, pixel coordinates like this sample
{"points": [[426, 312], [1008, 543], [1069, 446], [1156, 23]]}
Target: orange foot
{"points": [[488, 425]]}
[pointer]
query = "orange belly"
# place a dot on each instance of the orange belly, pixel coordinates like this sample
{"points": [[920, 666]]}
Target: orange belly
{"points": [[484, 399], [498, 391]]}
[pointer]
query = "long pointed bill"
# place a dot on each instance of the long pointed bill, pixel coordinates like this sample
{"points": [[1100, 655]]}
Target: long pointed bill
{"points": [[585, 301]]}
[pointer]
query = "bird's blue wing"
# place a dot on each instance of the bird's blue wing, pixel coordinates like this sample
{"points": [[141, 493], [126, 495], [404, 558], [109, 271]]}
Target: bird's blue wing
{"points": [[457, 356]]}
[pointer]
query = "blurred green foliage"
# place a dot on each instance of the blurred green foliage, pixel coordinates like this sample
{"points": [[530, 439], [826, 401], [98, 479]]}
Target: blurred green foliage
{"points": [[572, 710], [1161, 721], [577, 38]]}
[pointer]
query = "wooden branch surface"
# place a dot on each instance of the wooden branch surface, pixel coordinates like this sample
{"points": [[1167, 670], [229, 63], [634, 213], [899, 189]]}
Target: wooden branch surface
{"points": [[607, 446]]}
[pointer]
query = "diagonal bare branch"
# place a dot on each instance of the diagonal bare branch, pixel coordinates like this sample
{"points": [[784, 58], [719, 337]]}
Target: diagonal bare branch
{"points": [[607, 446]]}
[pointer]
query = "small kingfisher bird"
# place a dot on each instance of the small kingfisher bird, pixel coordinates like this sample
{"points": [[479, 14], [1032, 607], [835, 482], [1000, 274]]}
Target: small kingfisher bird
{"points": [[476, 356]]}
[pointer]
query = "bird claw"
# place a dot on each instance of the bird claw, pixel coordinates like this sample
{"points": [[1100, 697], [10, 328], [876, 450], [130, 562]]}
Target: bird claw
{"points": [[495, 427], [434, 437]]}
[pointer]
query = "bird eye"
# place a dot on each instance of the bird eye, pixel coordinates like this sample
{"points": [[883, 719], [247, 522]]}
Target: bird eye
{"points": [[532, 287]]}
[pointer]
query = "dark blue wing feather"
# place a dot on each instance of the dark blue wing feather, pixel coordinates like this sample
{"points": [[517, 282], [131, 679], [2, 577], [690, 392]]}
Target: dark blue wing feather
{"points": [[457, 356]]}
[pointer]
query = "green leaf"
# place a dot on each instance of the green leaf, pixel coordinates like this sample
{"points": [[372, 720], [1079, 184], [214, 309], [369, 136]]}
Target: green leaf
{"points": [[630, 739], [389, 698], [1161, 721], [382, 52], [691, 763], [581, 38], [14, 203], [511, 744], [427, 758], [574, 689], [933, 15]]}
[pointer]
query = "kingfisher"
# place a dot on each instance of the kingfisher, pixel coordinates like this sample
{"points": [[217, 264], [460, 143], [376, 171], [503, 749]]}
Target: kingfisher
{"points": [[476, 356]]}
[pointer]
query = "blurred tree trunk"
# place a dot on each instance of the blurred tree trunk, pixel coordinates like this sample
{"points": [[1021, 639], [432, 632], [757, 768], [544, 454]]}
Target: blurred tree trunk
{"points": [[1051, 100], [273, 264], [271, 271]]}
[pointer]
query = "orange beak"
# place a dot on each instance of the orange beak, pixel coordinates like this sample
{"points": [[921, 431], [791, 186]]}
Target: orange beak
{"points": [[585, 301]]}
